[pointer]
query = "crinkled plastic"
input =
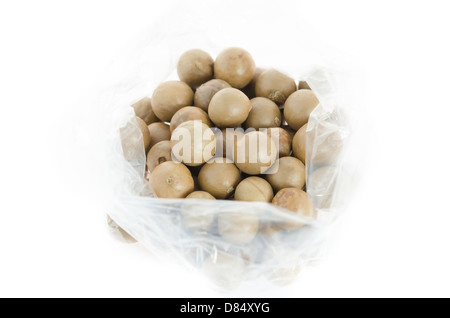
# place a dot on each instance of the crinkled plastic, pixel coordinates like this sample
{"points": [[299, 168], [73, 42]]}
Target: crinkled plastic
{"points": [[273, 255]]}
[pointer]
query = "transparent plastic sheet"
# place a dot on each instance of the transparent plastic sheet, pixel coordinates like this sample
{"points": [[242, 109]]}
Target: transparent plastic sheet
{"points": [[158, 224]]}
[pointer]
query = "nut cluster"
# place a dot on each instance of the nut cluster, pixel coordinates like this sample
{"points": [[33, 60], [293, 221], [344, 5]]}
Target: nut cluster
{"points": [[228, 130]]}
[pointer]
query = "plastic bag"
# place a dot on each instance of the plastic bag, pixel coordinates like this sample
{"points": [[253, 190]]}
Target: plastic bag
{"points": [[158, 224]]}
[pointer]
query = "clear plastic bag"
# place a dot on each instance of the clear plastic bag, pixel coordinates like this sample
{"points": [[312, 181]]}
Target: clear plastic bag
{"points": [[159, 224]]}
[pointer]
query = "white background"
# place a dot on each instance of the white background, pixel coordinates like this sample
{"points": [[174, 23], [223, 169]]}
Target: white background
{"points": [[396, 237]]}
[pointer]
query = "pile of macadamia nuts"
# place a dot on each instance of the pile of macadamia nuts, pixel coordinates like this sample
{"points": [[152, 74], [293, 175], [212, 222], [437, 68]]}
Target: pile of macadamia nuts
{"points": [[228, 130]]}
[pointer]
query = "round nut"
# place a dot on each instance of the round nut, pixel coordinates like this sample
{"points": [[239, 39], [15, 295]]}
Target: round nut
{"points": [[254, 189], [298, 107], [290, 174], [189, 113], [275, 86], [171, 180], [159, 132], [235, 66], [229, 108], [263, 114], [206, 91], [159, 153], [328, 145], [195, 67], [219, 178], [143, 109], [255, 153], [169, 97], [193, 143], [294, 200]]}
